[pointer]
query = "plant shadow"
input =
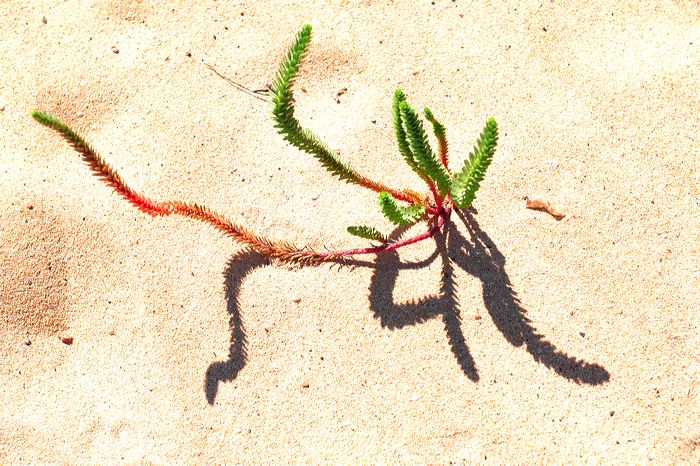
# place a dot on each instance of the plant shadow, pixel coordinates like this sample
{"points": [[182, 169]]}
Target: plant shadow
{"points": [[477, 256]]}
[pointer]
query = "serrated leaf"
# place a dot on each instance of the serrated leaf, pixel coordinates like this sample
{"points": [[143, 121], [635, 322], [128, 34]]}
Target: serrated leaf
{"points": [[283, 112], [367, 233], [397, 214], [404, 147], [439, 131], [466, 182], [422, 153], [438, 128]]}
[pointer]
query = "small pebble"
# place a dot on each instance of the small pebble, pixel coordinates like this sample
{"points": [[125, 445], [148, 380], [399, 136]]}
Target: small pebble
{"points": [[115, 49], [67, 340], [305, 384], [79, 114], [43, 19], [296, 299], [189, 54], [582, 334], [477, 317], [28, 342]]}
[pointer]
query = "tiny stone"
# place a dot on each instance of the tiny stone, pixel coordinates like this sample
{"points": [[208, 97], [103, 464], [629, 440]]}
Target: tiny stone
{"points": [[477, 317], [28, 342], [115, 49], [612, 413], [305, 384], [79, 114], [30, 207], [189, 54], [43, 19], [112, 332], [67, 340], [296, 299], [582, 334]]}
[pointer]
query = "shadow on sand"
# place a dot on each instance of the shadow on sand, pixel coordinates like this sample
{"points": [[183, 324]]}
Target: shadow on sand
{"points": [[477, 256]]}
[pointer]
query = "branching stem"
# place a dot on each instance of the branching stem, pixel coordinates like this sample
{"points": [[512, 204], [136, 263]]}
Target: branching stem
{"points": [[440, 219]]}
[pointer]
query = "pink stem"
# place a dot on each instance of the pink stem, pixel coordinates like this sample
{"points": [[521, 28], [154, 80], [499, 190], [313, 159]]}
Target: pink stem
{"points": [[436, 196], [442, 216]]}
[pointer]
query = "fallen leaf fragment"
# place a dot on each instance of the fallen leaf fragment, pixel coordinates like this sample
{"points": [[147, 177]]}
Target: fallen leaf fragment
{"points": [[538, 204]]}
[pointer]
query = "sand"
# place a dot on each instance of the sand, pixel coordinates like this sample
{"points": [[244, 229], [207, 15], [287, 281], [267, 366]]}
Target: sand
{"points": [[514, 338]]}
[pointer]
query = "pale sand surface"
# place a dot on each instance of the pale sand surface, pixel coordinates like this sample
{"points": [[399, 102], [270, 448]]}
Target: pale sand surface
{"points": [[586, 349]]}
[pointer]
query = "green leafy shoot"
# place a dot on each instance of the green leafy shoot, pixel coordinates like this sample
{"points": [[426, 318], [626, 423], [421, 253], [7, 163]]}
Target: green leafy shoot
{"points": [[283, 112], [397, 214], [302, 138], [404, 147], [422, 153], [439, 131], [367, 233], [466, 182]]}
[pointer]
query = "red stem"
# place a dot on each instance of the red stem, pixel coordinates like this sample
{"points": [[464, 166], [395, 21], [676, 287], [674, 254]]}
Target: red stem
{"points": [[442, 216]]}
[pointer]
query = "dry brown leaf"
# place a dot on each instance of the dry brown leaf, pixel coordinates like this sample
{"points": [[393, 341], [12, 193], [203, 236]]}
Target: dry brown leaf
{"points": [[538, 204]]}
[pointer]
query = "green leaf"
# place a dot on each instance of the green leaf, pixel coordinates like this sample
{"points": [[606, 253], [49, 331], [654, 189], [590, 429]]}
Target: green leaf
{"points": [[367, 233], [422, 153], [404, 147], [397, 214], [283, 112], [438, 128], [63, 129], [466, 182], [439, 131]]}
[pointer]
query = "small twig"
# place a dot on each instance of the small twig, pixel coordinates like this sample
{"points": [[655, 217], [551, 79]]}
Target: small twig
{"points": [[538, 204], [256, 93]]}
